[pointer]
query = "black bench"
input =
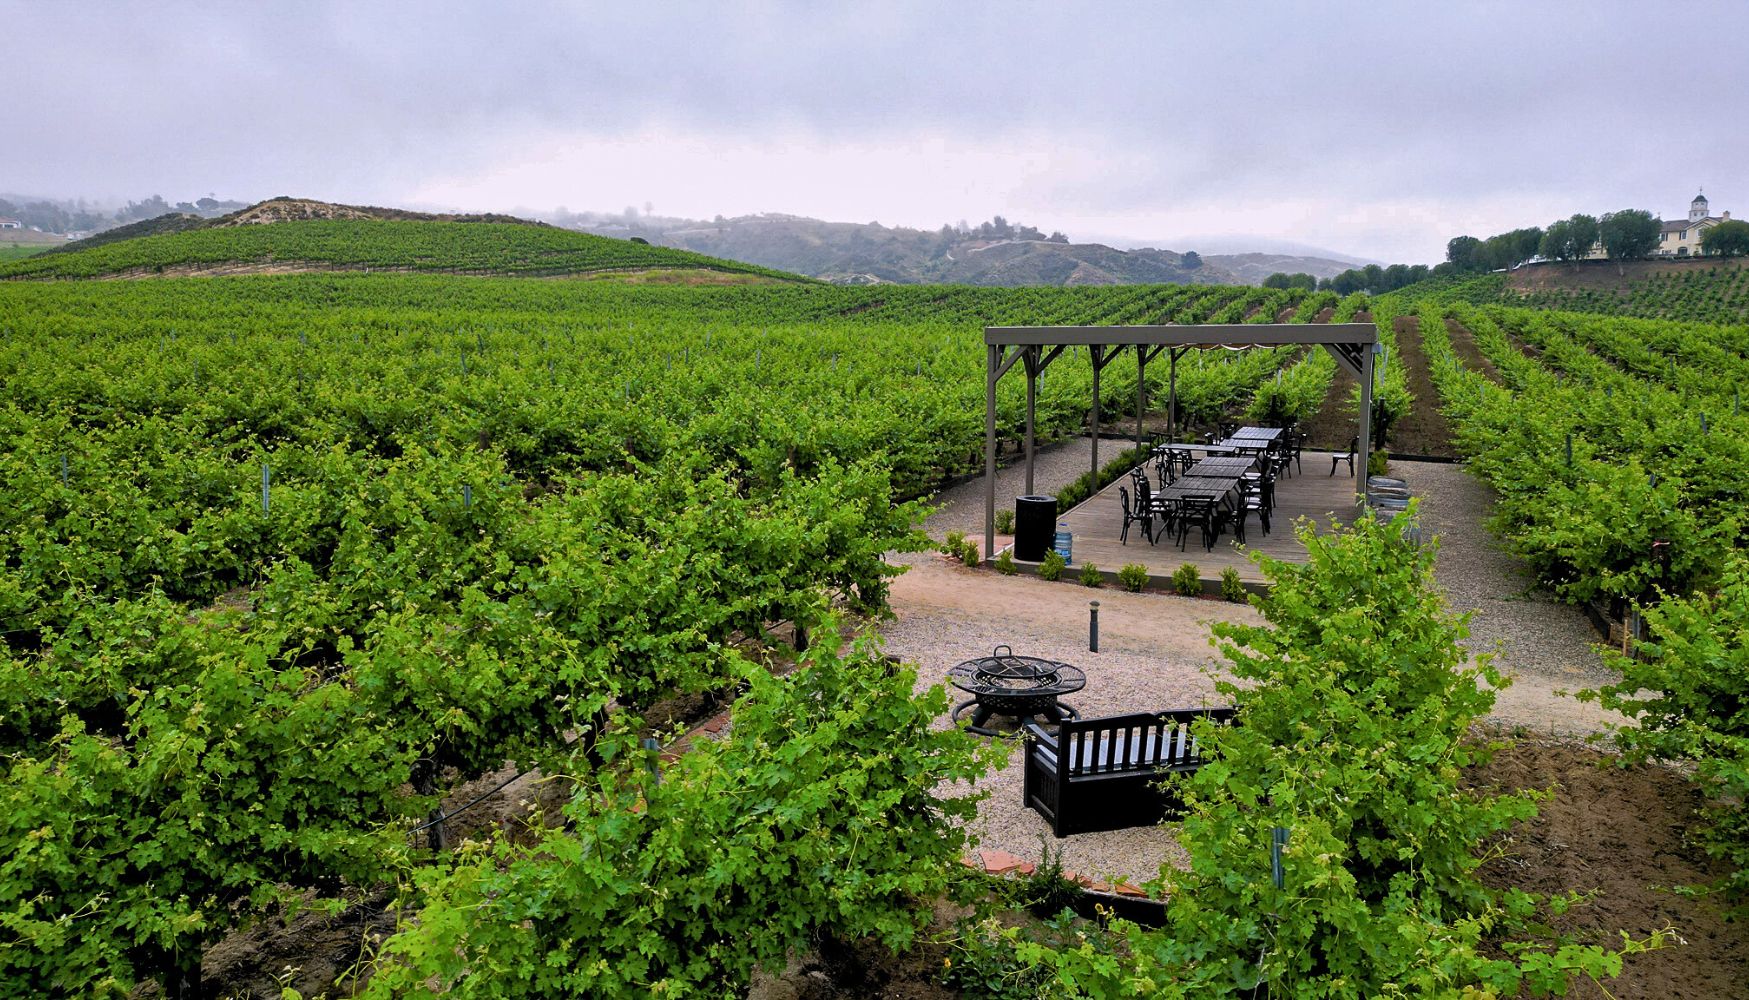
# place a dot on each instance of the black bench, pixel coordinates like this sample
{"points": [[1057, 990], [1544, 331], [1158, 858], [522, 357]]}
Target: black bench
{"points": [[1105, 774]]}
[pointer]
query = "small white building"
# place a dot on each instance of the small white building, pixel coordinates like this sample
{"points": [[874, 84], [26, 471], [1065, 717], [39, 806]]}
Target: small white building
{"points": [[10, 224]]}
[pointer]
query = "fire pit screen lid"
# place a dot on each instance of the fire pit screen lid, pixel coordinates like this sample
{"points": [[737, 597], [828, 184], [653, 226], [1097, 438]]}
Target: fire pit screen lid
{"points": [[1002, 671]]}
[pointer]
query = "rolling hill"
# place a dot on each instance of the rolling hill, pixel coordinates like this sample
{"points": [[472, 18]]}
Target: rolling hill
{"points": [[870, 253], [287, 234]]}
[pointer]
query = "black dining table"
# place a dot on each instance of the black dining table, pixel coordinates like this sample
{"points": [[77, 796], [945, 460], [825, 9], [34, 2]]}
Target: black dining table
{"points": [[1245, 446], [1258, 433], [1221, 488], [1222, 467]]}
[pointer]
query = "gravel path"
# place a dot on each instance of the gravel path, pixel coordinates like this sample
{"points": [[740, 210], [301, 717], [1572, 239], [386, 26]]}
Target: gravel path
{"points": [[1546, 647], [1054, 467], [1155, 650]]}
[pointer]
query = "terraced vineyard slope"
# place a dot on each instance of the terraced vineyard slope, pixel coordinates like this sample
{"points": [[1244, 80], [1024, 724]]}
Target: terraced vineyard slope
{"points": [[374, 244], [1698, 291]]}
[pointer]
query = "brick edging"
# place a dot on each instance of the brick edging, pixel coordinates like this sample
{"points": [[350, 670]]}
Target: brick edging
{"points": [[1000, 863]]}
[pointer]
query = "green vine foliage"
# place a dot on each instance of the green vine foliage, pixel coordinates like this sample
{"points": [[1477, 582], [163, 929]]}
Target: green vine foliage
{"points": [[1651, 499], [160, 806], [1354, 704], [1685, 690], [817, 813]]}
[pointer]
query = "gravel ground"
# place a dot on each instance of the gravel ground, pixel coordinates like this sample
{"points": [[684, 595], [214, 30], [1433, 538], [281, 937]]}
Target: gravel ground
{"points": [[1155, 652]]}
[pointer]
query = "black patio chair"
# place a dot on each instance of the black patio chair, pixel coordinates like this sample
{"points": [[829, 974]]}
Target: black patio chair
{"points": [[1165, 468], [1203, 512], [1149, 505], [1353, 446], [1133, 513], [1261, 483], [1250, 501]]}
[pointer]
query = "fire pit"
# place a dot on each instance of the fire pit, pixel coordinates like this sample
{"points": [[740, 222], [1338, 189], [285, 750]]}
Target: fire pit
{"points": [[1019, 686]]}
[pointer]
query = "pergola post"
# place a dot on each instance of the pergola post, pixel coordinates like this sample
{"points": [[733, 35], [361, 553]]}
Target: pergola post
{"points": [[992, 371], [1097, 351], [1141, 389], [1031, 363], [1172, 396], [1364, 457]]}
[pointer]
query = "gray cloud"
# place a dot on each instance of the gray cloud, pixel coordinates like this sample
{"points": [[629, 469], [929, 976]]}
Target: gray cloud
{"points": [[1342, 119]]}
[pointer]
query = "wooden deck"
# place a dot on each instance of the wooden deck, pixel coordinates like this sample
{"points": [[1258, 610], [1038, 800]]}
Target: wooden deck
{"points": [[1313, 494]]}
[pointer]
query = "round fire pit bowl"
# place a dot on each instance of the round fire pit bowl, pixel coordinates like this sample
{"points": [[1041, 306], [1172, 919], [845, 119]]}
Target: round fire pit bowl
{"points": [[1023, 687]]}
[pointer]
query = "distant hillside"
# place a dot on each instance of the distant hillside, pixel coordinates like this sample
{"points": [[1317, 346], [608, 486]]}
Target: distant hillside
{"points": [[870, 253], [289, 234]]}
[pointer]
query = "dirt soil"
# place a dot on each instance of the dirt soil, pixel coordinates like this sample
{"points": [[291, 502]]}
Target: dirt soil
{"points": [[1423, 430], [1620, 833], [1335, 422], [1463, 344]]}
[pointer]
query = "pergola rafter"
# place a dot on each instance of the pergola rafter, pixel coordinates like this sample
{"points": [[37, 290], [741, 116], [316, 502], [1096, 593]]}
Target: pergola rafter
{"points": [[1352, 344]]}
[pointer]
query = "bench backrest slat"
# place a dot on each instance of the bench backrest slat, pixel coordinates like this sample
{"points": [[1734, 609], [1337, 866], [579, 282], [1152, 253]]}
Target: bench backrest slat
{"points": [[1140, 741]]}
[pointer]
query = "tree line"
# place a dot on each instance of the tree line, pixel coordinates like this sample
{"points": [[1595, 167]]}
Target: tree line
{"points": [[998, 228], [1372, 278], [1630, 234], [77, 215]]}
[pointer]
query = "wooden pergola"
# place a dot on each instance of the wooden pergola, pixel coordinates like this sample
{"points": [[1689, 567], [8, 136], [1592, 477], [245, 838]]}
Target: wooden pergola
{"points": [[1354, 346]]}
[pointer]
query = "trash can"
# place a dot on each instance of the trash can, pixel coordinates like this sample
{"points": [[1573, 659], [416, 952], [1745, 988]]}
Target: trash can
{"points": [[1035, 527]]}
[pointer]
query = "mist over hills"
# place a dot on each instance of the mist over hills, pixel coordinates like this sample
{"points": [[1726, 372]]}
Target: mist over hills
{"points": [[992, 253], [996, 252]]}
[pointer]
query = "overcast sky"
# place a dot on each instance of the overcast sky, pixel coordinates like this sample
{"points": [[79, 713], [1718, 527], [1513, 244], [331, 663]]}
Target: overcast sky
{"points": [[1379, 130]]}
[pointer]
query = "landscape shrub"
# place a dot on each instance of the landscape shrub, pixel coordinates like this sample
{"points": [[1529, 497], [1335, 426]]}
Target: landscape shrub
{"points": [[1051, 567], [1005, 522], [955, 543], [682, 884], [1232, 588], [969, 553], [1187, 580], [1090, 575], [1005, 563], [1355, 701], [1133, 576], [1109, 473], [1685, 690]]}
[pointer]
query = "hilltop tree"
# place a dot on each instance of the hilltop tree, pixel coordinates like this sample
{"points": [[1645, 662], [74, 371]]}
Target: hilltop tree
{"points": [[1522, 244], [1300, 279], [1570, 239], [1190, 261], [1727, 239], [1629, 234], [1463, 251]]}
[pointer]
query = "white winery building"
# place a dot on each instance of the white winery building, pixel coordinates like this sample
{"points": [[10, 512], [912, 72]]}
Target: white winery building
{"points": [[1681, 237]]}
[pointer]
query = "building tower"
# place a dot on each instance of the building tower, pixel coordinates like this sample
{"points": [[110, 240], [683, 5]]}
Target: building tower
{"points": [[1697, 208]]}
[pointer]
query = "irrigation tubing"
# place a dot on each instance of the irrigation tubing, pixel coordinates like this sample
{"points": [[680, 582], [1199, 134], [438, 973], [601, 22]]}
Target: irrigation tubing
{"points": [[428, 824]]}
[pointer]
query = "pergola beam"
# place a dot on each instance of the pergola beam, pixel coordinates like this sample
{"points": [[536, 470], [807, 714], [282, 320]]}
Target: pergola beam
{"points": [[1210, 335]]}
